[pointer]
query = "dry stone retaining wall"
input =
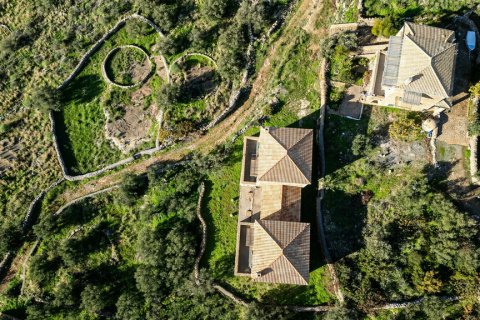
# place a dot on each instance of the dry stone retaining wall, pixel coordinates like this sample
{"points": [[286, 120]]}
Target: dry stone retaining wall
{"points": [[34, 203], [3, 26], [183, 56], [5, 263], [108, 56], [473, 145], [74, 73], [59, 211], [204, 234]]}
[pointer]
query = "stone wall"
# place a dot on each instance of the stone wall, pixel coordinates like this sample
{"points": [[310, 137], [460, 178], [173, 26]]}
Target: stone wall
{"points": [[73, 74], [110, 81], [196, 271], [473, 145], [28, 217]]}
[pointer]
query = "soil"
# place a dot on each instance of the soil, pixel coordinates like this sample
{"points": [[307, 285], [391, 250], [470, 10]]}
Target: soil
{"points": [[131, 130], [453, 125], [198, 80], [139, 71], [161, 69]]}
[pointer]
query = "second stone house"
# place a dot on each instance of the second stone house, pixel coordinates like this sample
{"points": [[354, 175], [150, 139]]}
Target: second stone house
{"points": [[272, 244]]}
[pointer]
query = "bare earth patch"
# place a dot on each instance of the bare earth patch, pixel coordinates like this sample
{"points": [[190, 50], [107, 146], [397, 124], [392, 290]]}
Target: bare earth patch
{"points": [[132, 129], [453, 125], [140, 70]]}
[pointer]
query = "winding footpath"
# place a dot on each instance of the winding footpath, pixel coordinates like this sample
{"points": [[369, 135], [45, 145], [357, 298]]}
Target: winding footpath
{"points": [[218, 134]]}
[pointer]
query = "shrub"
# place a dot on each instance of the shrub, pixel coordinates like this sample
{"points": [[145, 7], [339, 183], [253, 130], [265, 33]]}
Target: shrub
{"points": [[336, 97], [4, 127], [406, 128], [132, 187], [342, 65], [360, 145], [384, 27], [44, 98]]}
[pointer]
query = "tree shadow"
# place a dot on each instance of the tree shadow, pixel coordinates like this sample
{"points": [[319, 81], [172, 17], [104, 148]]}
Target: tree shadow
{"points": [[83, 89], [199, 85], [461, 192], [339, 134], [64, 142], [77, 214], [344, 220]]}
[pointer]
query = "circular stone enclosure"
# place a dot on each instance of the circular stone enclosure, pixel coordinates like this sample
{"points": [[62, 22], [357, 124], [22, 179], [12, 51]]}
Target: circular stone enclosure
{"points": [[197, 74], [127, 66]]}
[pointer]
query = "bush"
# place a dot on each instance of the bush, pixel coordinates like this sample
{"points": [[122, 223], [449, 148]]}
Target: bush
{"points": [[132, 188], [342, 65], [232, 46], [168, 96], [406, 128], [213, 9], [4, 127], [44, 98], [383, 27], [10, 237], [336, 96], [360, 145]]}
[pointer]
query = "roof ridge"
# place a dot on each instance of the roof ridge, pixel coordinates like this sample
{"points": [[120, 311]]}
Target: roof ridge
{"points": [[452, 45], [301, 139], [306, 132], [287, 157], [296, 166], [298, 234], [419, 47], [291, 264], [270, 234]]}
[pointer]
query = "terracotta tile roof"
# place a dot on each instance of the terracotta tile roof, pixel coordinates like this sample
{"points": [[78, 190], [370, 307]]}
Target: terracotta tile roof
{"points": [[285, 155], [280, 203], [281, 252]]}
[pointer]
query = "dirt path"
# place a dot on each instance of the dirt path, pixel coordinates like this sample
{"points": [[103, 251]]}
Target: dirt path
{"points": [[221, 132]]}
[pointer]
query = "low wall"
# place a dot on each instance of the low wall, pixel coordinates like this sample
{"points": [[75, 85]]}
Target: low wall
{"points": [[74, 201], [473, 145], [196, 270], [113, 83], [35, 202], [183, 56], [73, 74]]}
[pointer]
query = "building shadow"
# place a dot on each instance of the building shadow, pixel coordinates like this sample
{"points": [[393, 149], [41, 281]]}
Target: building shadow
{"points": [[83, 89], [339, 134], [344, 220], [461, 192]]}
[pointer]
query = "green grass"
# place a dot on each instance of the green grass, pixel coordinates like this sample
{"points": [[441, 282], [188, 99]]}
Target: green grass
{"points": [[298, 81], [81, 122], [222, 211]]}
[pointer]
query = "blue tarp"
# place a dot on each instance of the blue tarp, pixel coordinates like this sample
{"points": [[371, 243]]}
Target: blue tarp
{"points": [[470, 40]]}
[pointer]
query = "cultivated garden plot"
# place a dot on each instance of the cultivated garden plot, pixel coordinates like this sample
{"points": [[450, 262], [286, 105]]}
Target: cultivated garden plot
{"points": [[112, 108]]}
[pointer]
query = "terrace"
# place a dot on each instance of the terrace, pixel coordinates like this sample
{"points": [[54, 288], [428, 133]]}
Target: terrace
{"points": [[249, 162]]}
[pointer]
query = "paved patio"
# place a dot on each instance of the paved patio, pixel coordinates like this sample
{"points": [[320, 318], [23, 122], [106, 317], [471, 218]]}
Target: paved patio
{"points": [[351, 107]]}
